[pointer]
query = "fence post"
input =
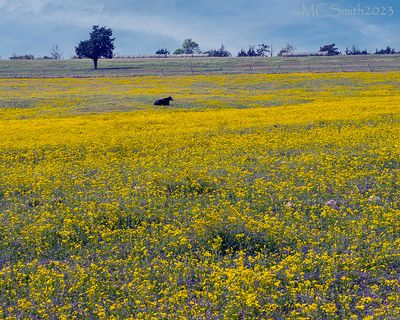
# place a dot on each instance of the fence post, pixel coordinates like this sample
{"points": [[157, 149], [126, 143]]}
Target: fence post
{"points": [[370, 68], [162, 72], [309, 68], [280, 70], [342, 67], [222, 71], [191, 69], [251, 70]]}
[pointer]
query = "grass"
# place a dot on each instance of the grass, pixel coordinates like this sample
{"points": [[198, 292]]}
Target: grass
{"points": [[251, 197], [54, 97], [177, 66]]}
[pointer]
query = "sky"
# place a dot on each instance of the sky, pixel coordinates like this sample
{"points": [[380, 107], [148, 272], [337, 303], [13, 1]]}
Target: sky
{"points": [[142, 27]]}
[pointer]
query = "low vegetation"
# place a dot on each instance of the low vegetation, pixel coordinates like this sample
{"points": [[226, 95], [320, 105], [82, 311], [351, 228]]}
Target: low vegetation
{"points": [[250, 197]]}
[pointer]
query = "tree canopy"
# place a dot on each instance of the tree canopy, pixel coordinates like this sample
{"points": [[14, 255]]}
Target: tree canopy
{"points": [[188, 47], [262, 50], [99, 45], [331, 49], [162, 51], [354, 51], [388, 50], [221, 52]]}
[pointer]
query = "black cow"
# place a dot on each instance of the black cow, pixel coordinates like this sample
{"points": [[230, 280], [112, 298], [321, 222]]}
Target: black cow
{"points": [[163, 102]]}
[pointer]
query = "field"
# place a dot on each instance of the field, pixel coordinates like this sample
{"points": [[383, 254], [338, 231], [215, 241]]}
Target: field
{"points": [[251, 197], [188, 66]]}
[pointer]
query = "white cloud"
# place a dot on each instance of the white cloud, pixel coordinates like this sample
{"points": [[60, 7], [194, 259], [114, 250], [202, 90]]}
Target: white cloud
{"points": [[235, 23], [372, 34], [23, 6], [176, 29]]}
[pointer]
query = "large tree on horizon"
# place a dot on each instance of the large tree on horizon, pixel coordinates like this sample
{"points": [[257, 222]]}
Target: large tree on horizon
{"points": [[331, 49], [99, 45], [188, 47]]}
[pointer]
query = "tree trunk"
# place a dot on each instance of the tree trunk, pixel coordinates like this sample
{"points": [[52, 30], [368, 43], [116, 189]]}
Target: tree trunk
{"points": [[95, 63]]}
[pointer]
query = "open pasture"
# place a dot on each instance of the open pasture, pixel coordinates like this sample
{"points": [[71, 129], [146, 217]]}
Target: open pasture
{"points": [[250, 197], [187, 66]]}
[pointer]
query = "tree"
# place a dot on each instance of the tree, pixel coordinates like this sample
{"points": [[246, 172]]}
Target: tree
{"points": [[100, 45], [179, 51], [286, 49], [331, 49], [22, 57], [354, 51], [190, 47], [221, 52], [263, 50], [252, 51], [388, 50], [55, 52], [242, 53], [163, 51]]}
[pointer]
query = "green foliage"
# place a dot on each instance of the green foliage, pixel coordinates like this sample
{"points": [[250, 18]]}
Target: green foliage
{"points": [[100, 45], [22, 57], [179, 51], [331, 49], [221, 52], [388, 50], [188, 47], [252, 51], [353, 51], [242, 53], [262, 50], [163, 51]]}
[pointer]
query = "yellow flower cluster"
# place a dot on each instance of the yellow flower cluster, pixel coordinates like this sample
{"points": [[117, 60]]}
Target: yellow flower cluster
{"points": [[251, 197]]}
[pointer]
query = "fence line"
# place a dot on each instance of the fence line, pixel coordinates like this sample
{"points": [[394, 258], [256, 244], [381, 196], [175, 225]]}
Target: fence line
{"points": [[193, 70]]}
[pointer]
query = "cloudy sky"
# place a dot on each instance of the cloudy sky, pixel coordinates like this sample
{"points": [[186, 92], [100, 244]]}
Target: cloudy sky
{"points": [[143, 26]]}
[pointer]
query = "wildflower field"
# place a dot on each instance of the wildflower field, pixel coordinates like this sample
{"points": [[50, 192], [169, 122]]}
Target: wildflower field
{"points": [[250, 197]]}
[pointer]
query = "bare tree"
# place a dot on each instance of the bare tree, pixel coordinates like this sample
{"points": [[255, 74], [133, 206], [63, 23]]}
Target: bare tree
{"points": [[263, 50], [286, 49], [55, 52]]}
